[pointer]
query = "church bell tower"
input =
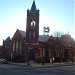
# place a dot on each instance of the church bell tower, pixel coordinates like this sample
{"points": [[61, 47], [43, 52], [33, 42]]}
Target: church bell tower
{"points": [[32, 25]]}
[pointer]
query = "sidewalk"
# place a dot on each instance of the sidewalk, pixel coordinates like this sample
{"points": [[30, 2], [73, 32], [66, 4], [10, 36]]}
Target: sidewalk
{"points": [[53, 65], [45, 64]]}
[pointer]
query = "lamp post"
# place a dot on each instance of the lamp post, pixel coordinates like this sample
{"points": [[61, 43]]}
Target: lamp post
{"points": [[43, 52], [11, 57]]}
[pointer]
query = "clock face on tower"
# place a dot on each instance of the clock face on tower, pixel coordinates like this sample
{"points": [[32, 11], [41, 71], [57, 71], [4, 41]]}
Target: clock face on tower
{"points": [[33, 23]]}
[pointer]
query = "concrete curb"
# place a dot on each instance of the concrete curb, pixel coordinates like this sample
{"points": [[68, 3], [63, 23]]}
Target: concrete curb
{"points": [[40, 65]]}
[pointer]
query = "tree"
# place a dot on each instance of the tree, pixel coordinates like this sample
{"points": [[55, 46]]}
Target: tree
{"points": [[57, 34], [67, 40]]}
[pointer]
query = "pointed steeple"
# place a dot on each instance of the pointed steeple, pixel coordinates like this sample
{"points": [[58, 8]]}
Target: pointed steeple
{"points": [[33, 7]]}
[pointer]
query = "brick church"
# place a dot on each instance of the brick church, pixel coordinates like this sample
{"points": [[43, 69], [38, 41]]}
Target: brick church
{"points": [[26, 44], [30, 45]]}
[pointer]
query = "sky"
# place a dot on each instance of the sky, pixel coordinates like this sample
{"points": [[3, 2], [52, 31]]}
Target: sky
{"points": [[57, 14]]}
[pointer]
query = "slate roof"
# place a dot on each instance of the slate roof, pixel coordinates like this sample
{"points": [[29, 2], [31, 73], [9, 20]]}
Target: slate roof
{"points": [[23, 33], [44, 38], [7, 41], [33, 7]]}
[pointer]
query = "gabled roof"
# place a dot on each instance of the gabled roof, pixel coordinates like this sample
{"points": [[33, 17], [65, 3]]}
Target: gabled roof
{"points": [[33, 7], [7, 41], [23, 33], [19, 34]]}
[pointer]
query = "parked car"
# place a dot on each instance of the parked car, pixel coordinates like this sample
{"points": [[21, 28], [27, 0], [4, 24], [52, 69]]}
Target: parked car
{"points": [[4, 61]]}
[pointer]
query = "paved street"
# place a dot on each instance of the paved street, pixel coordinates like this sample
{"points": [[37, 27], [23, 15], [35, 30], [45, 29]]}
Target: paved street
{"points": [[6, 69]]}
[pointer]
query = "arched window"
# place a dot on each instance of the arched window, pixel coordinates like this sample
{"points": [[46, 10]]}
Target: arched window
{"points": [[33, 23]]}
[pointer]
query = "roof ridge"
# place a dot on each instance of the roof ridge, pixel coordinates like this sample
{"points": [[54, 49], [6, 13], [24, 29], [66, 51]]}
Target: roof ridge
{"points": [[7, 40], [20, 30], [23, 33]]}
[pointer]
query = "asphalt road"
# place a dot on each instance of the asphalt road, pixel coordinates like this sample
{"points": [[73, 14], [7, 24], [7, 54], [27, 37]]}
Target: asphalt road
{"points": [[6, 69]]}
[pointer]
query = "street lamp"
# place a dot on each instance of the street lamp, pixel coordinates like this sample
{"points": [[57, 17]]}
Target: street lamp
{"points": [[11, 57]]}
